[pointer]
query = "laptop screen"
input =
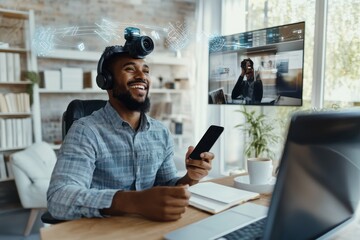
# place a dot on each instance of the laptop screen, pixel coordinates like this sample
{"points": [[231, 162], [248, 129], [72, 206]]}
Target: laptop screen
{"points": [[321, 165]]}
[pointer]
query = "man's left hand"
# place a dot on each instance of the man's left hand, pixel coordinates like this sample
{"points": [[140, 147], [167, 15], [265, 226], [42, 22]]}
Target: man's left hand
{"points": [[198, 169]]}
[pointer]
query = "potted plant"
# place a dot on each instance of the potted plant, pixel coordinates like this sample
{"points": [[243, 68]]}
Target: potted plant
{"points": [[260, 132]]}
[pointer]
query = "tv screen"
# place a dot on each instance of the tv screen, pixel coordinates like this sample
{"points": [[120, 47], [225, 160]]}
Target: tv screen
{"points": [[260, 67]]}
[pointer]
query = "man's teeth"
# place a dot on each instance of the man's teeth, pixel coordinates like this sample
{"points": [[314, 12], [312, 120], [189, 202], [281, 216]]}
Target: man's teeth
{"points": [[138, 86]]}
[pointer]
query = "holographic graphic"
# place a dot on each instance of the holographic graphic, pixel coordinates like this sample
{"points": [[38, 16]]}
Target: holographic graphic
{"points": [[43, 41], [178, 36], [107, 30], [47, 39], [81, 46], [216, 43]]}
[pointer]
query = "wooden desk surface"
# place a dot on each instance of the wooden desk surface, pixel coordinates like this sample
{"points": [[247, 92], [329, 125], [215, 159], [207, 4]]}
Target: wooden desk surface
{"points": [[136, 227]]}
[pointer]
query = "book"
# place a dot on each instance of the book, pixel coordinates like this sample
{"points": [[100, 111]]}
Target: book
{"points": [[11, 102], [90, 79], [3, 174], [214, 197], [3, 141], [17, 67], [3, 104], [51, 79], [10, 67], [3, 67], [72, 78], [8, 132]]}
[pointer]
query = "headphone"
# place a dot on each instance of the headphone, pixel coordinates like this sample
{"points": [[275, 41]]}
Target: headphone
{"points": [[104, 78]]}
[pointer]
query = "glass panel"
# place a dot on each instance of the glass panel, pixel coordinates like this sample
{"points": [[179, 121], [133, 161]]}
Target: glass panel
{"points": [[342, 70]]}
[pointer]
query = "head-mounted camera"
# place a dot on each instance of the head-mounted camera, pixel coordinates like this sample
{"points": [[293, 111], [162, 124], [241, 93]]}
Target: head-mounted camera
{"points": [[137, 46]]}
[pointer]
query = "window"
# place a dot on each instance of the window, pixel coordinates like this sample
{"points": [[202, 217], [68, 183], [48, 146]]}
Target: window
{"points": [[257, 15], [342, 69]]}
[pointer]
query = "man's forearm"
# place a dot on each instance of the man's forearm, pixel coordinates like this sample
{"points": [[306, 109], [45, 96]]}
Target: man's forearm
{"points": [[123, 202], [186, 180]]}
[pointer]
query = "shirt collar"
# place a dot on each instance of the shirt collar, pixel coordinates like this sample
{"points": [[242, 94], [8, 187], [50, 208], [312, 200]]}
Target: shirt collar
{"points": [[116, 120]]}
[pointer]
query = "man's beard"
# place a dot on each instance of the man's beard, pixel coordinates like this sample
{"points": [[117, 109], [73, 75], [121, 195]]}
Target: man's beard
{"points": [[131, 103]]}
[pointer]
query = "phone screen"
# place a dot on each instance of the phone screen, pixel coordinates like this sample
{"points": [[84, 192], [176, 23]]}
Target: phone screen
{"points": [[207, 141]]}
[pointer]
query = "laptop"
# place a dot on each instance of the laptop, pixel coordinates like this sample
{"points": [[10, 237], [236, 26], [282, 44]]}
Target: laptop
{"points": [[217, 96], [317, 189]]}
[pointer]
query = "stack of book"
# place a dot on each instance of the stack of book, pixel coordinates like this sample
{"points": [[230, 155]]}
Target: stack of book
{"points": [[15, 132], [214, 198], [10, 69], [14, 102]]}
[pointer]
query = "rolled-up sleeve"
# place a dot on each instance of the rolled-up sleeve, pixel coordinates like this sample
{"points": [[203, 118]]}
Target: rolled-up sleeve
{"points": [[70, 195]]}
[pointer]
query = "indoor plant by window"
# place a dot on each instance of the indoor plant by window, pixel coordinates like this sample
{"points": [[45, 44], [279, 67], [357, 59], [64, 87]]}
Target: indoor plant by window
{"points": [[260, 134]]}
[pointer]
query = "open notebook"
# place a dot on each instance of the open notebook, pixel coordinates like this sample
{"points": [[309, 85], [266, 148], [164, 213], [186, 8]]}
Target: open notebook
{"points": [[214, 198]]}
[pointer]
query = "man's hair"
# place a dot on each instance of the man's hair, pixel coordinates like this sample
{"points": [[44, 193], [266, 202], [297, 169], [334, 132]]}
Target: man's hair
{"points": [[109, 63], [243, 63]]}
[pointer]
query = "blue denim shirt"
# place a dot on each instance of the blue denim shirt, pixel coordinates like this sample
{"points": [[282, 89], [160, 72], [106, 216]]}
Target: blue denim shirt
{"points": [[101, 155]]}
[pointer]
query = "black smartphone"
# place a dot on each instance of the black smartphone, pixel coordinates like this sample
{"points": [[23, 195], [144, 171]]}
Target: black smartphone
{"points": [[207, 141]]}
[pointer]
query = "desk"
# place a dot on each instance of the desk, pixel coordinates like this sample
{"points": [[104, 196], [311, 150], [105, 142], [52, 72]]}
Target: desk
{"points": [[282, 101], [136, 227]]}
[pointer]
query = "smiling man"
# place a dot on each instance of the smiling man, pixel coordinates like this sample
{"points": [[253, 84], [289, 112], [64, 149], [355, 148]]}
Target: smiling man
{"points": [[119, 160]]}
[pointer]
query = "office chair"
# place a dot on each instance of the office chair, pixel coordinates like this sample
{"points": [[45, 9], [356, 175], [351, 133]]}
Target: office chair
{"points": [[76, 109]]}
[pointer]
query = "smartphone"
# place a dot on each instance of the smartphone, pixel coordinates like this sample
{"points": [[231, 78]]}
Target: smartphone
{"points": [[206, 142]]}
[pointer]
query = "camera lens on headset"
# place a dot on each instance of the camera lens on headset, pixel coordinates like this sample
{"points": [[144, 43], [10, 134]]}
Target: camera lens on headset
{"points": [[137, 46]]}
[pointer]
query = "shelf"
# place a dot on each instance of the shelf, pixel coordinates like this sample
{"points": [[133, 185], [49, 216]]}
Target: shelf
{"points": [[14, 50], [14, 14], [152, 91], [45, 91], [165, 90], [156, 58], [18, 83], [15, 115], [73, 55], [12, 149], [7, 179]]}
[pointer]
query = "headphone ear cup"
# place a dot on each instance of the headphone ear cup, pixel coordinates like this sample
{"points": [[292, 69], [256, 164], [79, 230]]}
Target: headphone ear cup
{"points": [[104, 80], [100, 81]]}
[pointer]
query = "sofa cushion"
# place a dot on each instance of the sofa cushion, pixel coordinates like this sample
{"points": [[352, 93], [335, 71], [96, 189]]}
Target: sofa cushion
{"points": [[37, 161]]}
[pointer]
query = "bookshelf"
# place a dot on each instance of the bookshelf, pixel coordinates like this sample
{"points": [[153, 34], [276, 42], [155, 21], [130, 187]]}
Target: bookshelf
{"points": [[22, 123], [19, 116]]}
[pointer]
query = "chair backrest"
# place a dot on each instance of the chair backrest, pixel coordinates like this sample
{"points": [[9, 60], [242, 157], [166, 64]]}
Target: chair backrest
{"points": [[78, 109], [32, 168]]}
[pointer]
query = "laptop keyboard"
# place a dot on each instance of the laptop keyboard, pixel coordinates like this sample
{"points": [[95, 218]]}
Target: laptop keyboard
{"points": [[252, 231]]}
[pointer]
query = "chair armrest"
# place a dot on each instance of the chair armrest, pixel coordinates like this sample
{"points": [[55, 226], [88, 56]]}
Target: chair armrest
{"points": [[47, 218]]}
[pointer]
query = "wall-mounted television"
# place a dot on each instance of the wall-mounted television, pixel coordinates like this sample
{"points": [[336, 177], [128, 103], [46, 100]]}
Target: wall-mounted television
{"points": [[260, 67]]}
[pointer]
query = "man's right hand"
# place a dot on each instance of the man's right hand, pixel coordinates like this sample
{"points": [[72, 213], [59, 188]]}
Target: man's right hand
{"points": [[242, 72], [157, 203], [164, 203]]}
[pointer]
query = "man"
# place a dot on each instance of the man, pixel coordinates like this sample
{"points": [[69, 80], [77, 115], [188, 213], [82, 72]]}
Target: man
{"points": [[119, 160], [251, 89]]}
